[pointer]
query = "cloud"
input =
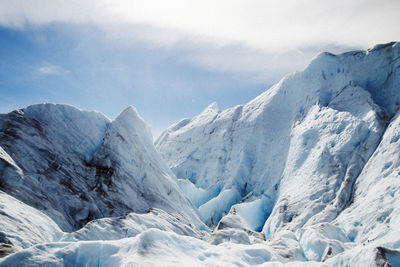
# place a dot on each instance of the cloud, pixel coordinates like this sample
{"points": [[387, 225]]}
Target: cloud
{"points": [[263, 66], [259, 24], [264, 37], [49, 69]]}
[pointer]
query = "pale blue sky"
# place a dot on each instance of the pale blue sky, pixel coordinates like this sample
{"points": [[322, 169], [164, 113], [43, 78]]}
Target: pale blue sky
{"points": [[77, 66], [171, 59]]}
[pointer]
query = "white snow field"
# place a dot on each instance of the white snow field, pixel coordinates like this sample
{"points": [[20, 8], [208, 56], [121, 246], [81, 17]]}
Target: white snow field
{"points": [[306, 174]]}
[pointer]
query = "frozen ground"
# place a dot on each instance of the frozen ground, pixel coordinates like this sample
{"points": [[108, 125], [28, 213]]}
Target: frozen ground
{"points": [[308, 173]]}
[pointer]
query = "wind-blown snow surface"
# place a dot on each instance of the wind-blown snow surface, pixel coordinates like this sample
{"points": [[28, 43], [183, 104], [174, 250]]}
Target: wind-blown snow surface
{"points": [[308, 173]]}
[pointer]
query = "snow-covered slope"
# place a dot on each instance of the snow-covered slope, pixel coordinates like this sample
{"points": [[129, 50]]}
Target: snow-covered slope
{"points": [[301, 144], [291, 159], [77, 166], [23, 226], [374, 215], [306, 174]]}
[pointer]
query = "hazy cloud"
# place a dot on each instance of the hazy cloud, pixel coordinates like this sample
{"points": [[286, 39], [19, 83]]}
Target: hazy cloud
{"points": [[242, 35], [49, 69], [265, 25]]}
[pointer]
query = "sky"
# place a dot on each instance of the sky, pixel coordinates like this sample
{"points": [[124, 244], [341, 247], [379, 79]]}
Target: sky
{"points": [[171, 59]]}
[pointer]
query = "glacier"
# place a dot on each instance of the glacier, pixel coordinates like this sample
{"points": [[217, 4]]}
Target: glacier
{"points": [[306, 174], [98, 167]]}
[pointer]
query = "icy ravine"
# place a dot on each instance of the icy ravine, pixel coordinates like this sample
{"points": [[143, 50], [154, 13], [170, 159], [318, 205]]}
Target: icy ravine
{"points": [[77, 166]]}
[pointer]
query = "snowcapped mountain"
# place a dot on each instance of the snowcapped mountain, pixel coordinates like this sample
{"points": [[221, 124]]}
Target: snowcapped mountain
{"points": [[308, 173]]}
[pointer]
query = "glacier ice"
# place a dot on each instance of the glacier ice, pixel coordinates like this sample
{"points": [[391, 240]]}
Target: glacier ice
{"points": [[24, 226], [302, 143], [306, 174], [76, 166]]}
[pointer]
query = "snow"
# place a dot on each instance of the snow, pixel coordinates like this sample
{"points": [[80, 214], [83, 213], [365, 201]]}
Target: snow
{"points": [[150, 248], [321, 241], [305, 144], [82, 136], [365, 256], [212, 211], [255, 212], [133, 224], [141, 178], [302, 143], [7, 161], [76, 166], [23, 226], [376, 197], [306, 174], [198, 196]]}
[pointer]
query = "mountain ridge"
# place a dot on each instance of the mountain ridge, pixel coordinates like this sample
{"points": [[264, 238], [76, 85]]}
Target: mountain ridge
{"points": [[306, 174], [336, 111], [56, 142]]}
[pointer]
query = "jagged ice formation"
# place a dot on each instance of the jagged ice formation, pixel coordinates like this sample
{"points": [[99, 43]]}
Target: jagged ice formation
{"points": [[307, 173]]}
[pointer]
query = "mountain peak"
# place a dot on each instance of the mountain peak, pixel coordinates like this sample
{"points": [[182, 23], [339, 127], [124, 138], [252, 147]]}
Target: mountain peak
{"points": [[132, 123], [212, 106], [129, 111]]}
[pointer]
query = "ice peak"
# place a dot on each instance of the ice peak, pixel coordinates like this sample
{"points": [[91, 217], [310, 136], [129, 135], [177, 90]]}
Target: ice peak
{"points": [[213, 106], [211, 109], [130, 119], [129, 111]]}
